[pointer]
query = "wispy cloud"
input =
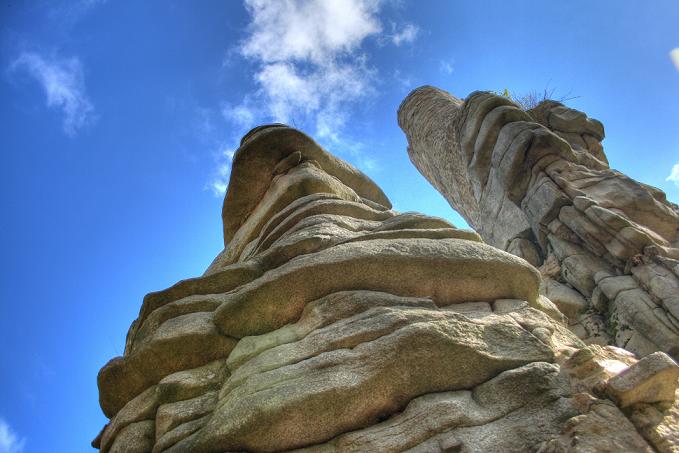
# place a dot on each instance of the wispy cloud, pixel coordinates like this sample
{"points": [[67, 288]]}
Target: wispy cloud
{"points": [[402, 79], [446, 66], [63, 83], [674, 56], [309, 67], [10, 442], [674, 175], [406, 35], [316, 30], [243, 114], [220, 179], [311, 70]]}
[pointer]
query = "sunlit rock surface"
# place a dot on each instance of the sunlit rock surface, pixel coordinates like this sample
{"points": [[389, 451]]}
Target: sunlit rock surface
{"points": [[537, 184], [331, 323]]}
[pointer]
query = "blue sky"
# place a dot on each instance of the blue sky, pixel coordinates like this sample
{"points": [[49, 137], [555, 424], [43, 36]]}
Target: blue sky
{"points": [[119, 119]]}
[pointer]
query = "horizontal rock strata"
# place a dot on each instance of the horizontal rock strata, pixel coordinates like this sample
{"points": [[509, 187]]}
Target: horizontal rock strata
{"points": [[330, 322]]}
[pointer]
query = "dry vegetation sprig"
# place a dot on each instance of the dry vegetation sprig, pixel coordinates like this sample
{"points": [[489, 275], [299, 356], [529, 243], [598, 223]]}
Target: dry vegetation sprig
{"points": [[533, 98]]}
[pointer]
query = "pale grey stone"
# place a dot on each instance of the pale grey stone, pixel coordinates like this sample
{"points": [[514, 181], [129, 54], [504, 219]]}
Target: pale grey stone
{"points": [[171, 415], [188, 384], [142, 407], [136, 437], [569, 301]]}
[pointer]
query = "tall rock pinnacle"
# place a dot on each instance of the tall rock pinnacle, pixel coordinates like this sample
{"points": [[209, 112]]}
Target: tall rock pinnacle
{"points": [[537, 184], [331, 323]]}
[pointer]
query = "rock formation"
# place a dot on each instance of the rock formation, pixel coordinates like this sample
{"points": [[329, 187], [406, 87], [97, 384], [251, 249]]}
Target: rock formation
{"points": [[331, 323], [537, 184]]}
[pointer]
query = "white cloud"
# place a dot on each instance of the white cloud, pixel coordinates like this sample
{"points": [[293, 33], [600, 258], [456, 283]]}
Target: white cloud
{"points": [[446, 67], [9, 440], [220, 179], [407, 35], [674, 55], [64, 87], [310, 69], [674, 175], [311, 30], [243, 114]]}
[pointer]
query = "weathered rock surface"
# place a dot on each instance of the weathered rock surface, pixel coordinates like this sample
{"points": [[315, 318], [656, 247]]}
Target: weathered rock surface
{"points": [[651, 380], [537, 184], [331, 323]]}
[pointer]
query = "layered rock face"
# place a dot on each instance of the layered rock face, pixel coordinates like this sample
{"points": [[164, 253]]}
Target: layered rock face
{"points": [[331, 323], [537, 183]]}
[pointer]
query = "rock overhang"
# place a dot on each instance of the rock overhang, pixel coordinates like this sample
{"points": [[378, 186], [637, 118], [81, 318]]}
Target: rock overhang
{"points": [[254, 167]]}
